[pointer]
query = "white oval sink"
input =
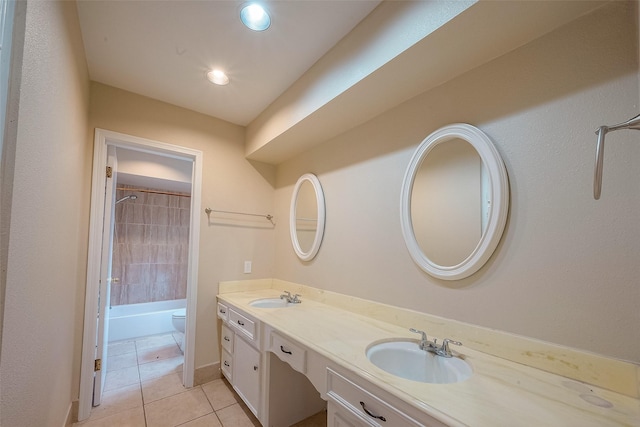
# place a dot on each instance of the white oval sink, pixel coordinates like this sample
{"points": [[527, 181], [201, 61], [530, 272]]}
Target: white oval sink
{"points": [[270, 303], [405, 359]]}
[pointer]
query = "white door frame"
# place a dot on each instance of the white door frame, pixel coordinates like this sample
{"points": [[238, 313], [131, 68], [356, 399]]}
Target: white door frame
{"points": [[106, 258], [104, 138]]}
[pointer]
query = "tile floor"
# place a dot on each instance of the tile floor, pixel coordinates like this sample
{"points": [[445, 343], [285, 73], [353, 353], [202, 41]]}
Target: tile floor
{"points": [[143, 388]]}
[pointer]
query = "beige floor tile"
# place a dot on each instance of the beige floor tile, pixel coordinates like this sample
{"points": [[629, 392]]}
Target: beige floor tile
{"points": [[234, 416], [179, 337], [118, 400], [210, 420], [159, 388], [121, 378], [160, 368], [120, 347], [220, 394], [317, 420], [129, 418], [152, 354], [155, 341], [121, 361], [177, 409]]}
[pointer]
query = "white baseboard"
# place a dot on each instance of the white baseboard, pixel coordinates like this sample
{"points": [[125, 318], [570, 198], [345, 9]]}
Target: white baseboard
{"points": [[72, 414], [207, 373]]}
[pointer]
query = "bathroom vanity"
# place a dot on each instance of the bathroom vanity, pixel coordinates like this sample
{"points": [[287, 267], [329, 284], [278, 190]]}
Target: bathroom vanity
{"points": [[289, 361], [283, 382]]}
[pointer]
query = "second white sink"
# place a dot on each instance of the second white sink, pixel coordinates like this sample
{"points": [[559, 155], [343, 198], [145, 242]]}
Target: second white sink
{"points": [[270, 303], [405, 359]]}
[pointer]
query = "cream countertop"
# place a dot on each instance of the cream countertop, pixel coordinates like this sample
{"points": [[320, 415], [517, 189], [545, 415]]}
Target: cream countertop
{"points": [[499, 393]]}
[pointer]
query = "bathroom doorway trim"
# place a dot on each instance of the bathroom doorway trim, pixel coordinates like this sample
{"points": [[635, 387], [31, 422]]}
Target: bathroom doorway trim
{"points": [[102, 140]]}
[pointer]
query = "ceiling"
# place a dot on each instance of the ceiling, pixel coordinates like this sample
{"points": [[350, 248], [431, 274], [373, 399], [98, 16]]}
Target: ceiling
{"points": [[163, 49], [321, 69]]}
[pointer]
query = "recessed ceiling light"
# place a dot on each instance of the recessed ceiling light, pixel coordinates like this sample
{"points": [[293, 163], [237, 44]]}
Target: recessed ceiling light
{"points": [[218, 77], [255, 17]]}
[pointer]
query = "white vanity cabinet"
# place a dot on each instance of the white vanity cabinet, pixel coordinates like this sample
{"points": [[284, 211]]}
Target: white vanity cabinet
{"points": [[283, 381], [241, 361]]}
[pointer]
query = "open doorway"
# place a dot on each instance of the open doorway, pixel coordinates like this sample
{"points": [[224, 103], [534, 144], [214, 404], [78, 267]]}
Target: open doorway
{"points": [[148, 287], [149, 200]]}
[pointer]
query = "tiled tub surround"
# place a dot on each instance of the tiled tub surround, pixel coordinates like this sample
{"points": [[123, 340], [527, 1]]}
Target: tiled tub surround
{"points": [[516, 380], [150, 249]]}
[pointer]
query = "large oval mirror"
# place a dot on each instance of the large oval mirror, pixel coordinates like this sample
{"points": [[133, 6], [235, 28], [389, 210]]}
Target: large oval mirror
{"points": [[306, 218], [454, 202]]}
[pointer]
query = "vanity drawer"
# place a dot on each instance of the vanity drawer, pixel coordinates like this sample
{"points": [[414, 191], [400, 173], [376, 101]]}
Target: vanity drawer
{"points": [[243, 324], [223, 312], [226, 364], [355, 399], [289, 352], [227, 339]]}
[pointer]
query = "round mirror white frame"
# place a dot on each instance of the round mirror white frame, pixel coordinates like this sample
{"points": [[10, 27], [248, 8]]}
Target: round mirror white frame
{"points": [[498, 210], [315, 246]]}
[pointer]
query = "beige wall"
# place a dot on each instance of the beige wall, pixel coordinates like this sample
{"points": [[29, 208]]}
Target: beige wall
{"points": [[567, 268], [229, 182], [46, 263]]}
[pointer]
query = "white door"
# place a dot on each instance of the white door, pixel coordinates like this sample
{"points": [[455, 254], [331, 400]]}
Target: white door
{"points": [[105, 275]]}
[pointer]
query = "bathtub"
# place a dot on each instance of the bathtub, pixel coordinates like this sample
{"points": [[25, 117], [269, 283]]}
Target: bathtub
{"points": [[139, 320]]}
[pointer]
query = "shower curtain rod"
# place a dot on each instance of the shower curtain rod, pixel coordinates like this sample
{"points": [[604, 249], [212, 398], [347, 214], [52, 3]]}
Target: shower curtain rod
{"points": [[143, 190]]}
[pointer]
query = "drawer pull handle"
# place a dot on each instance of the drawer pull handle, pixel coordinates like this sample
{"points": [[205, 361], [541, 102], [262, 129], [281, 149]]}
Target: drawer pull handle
{"points": [[240, 323], [227, 339], [226, 364], [379, 417], [223, 312], [285, 351]]}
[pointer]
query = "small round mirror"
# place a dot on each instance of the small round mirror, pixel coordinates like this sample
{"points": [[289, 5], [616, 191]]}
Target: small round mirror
{"points": [[454, 202], [306, 219]]}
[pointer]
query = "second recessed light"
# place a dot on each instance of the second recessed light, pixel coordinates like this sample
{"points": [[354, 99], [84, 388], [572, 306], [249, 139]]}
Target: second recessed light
{"points": [[255, 17]]}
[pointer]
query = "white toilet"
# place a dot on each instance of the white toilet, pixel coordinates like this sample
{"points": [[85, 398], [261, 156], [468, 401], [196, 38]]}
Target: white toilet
{"points": [[178, 320]]}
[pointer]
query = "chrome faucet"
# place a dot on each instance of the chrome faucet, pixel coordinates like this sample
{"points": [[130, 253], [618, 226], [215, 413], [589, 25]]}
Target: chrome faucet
{"points": [[425, 344], [444, 350], [432, 346], [291, 299]]}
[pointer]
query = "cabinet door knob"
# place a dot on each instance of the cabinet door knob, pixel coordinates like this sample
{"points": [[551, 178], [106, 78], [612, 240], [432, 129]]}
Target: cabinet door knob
{"points": [[255, 368]]}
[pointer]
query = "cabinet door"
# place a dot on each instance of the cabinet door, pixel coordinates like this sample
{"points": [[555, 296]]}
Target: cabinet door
{"points": [[246, 373]]}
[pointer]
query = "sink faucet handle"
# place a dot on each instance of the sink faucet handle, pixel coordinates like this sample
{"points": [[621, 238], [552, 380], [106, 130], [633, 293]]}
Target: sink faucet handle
{"points": [[296, 298], [286, 295], [445, 346], [415, 331]]}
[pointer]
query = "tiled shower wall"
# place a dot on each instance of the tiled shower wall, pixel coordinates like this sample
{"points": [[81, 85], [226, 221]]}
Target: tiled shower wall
{"points": [[151, 247]]}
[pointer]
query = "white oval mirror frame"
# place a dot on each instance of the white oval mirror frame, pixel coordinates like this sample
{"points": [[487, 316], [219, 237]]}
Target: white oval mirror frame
{"points": [[497, 214], [313, 250]]}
